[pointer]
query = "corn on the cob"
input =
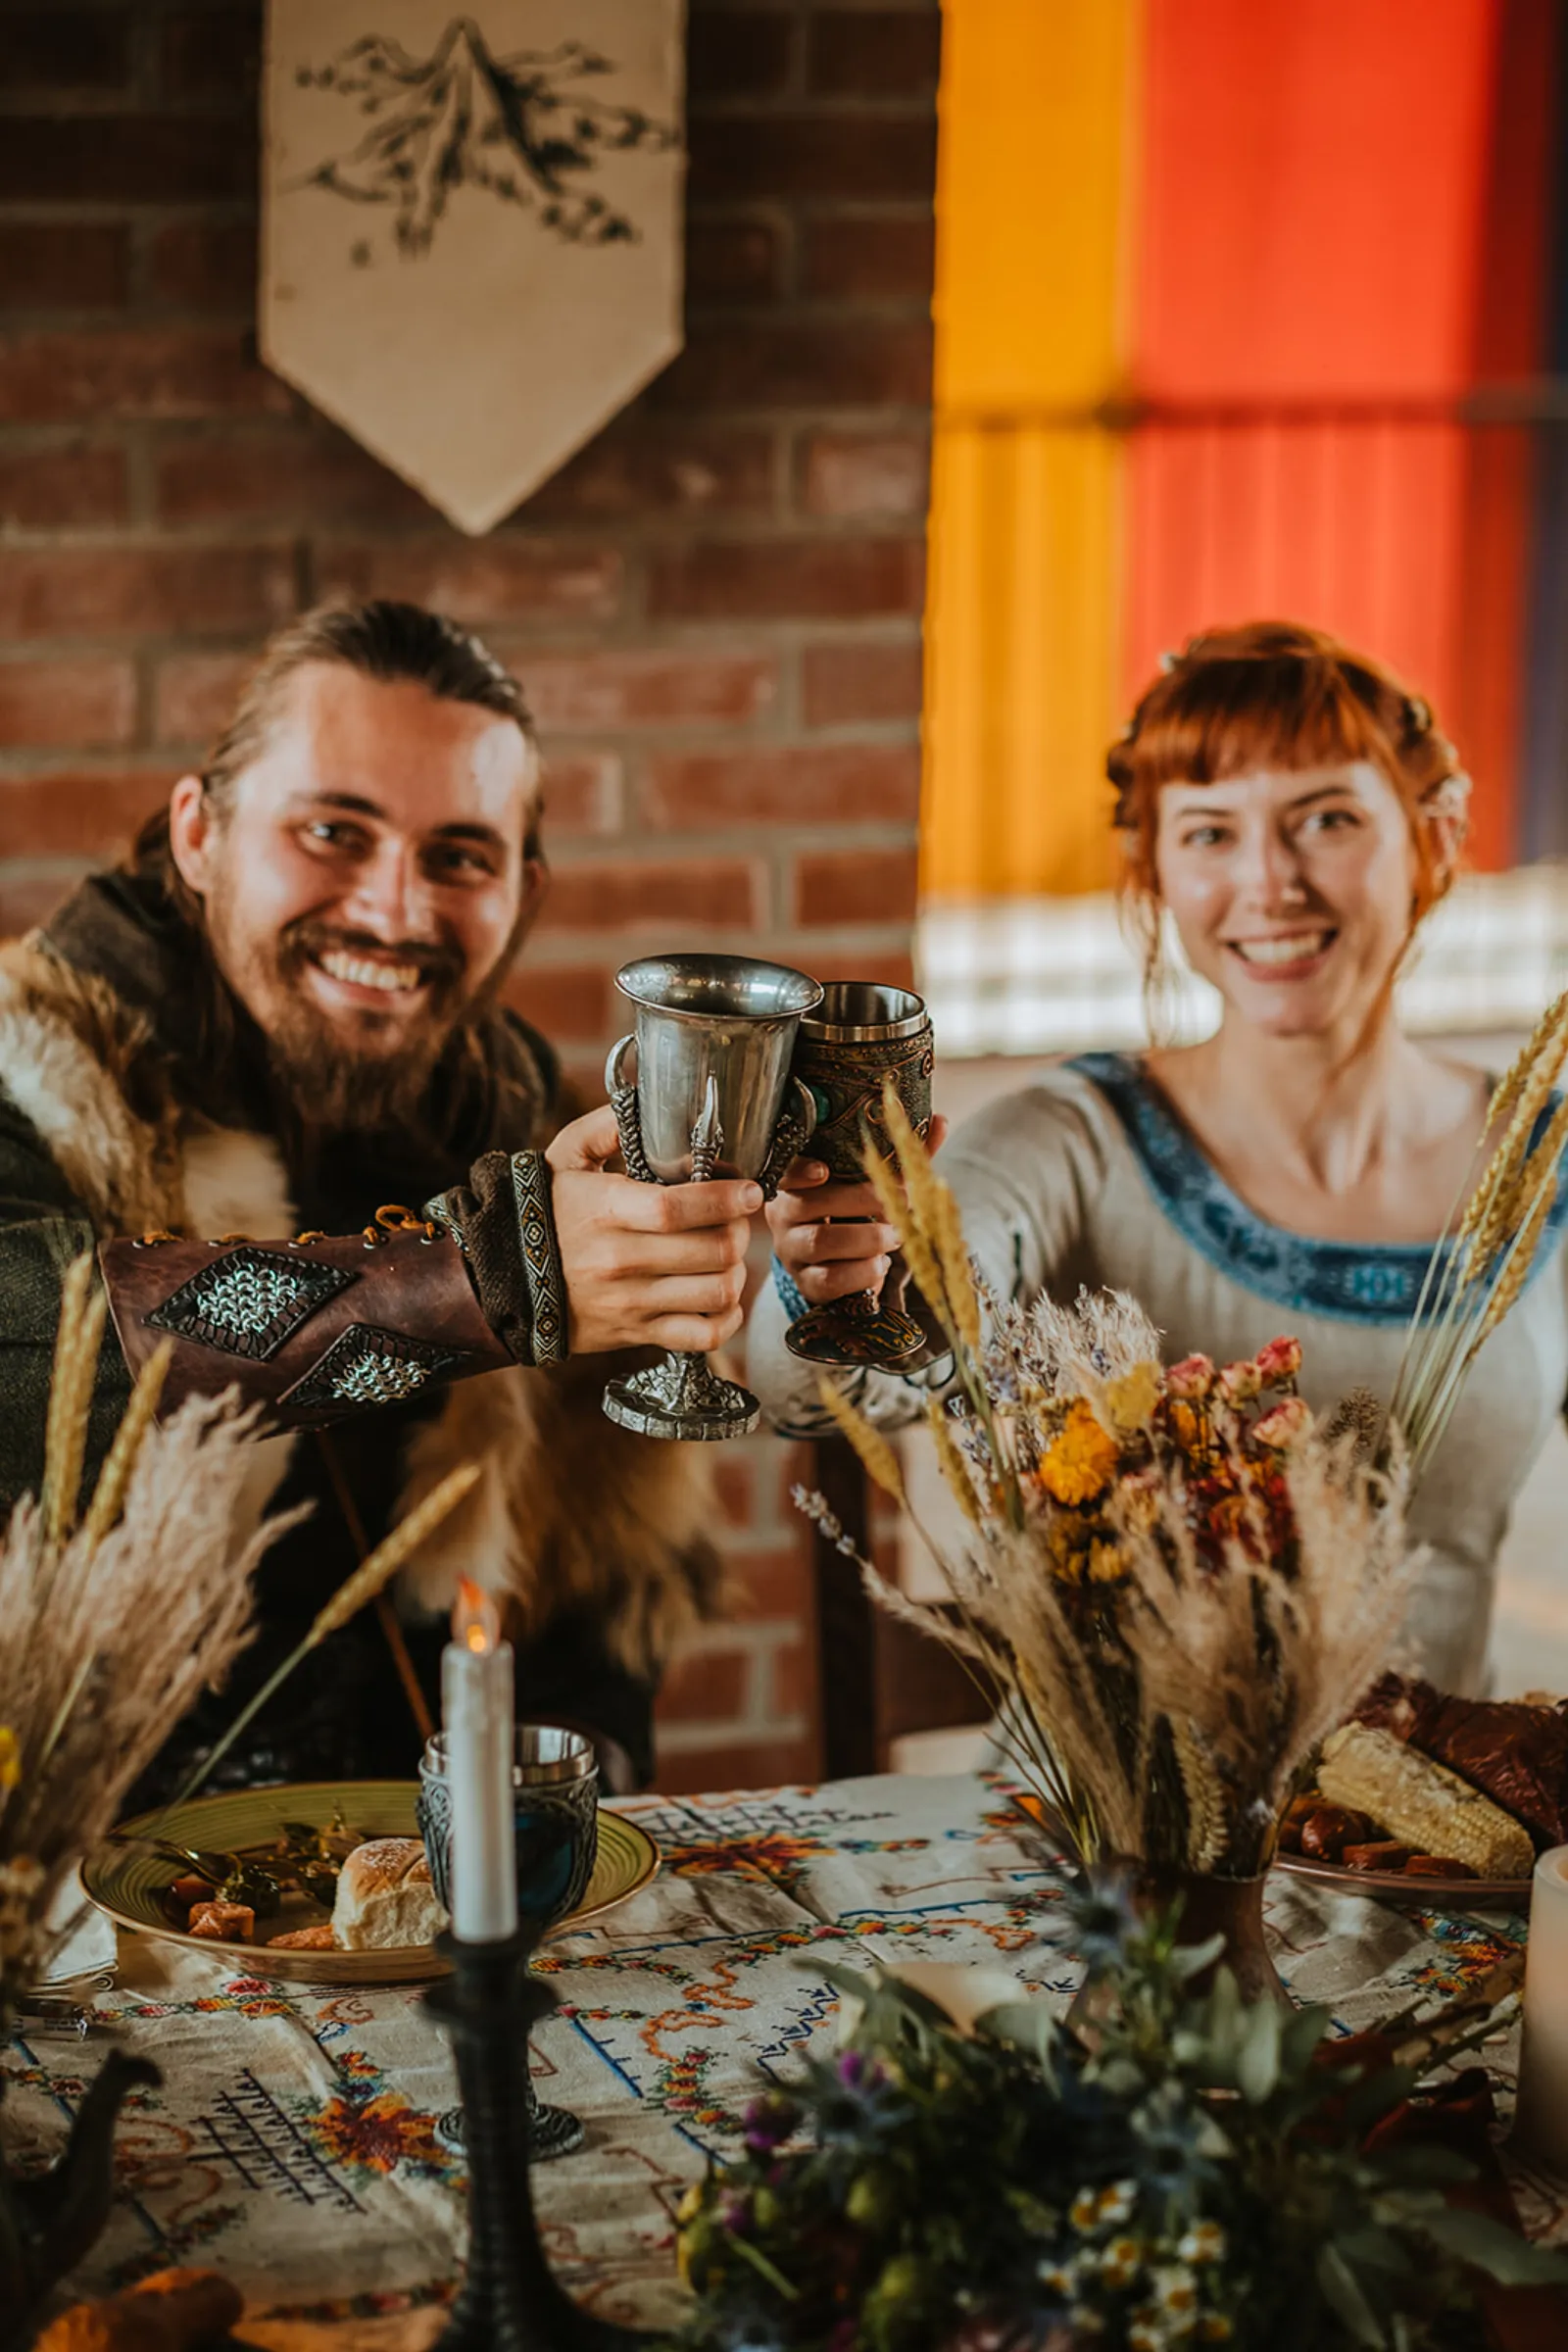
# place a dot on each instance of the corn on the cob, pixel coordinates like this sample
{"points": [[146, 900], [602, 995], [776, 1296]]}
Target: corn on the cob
{"points": [[1422, 1803]]}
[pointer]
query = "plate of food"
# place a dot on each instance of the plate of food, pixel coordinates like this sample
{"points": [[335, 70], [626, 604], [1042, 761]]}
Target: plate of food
{"points": [[1427, 1798], [324, 1883]]}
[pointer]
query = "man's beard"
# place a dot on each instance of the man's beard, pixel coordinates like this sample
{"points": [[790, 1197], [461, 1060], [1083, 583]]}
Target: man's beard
{"points": [[370, 1075]]}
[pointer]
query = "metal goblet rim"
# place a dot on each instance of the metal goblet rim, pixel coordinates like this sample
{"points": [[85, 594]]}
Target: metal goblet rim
{"points": [[864, 1012], [544, 1755], [784, 991]]}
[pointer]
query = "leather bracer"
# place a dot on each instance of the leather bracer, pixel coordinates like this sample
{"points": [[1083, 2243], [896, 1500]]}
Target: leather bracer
{"points": [[312, 1329]]}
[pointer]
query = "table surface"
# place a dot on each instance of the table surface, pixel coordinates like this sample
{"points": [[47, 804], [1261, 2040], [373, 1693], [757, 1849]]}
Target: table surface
{"points": [[293, 2143]]}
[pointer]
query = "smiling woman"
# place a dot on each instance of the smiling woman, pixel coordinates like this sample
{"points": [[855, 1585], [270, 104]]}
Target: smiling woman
{"points": [[1295, 811]]}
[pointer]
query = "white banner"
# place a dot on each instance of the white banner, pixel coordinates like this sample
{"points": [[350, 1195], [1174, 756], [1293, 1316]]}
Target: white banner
{"points": [[472, 227]]}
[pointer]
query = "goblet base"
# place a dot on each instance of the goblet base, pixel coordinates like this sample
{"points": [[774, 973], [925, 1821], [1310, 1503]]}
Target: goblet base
{"points": [[682, 1397], [856, 1333]]}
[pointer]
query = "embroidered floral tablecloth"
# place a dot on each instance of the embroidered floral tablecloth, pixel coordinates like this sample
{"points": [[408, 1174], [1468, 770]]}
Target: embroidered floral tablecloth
{"points": [[293, 2143]]}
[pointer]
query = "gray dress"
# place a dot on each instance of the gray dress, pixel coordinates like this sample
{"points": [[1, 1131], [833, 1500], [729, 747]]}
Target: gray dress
{"points": [[1088, 1178]]}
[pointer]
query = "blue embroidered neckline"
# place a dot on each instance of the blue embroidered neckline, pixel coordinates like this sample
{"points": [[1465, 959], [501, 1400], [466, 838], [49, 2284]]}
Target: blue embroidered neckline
{"points": [[1346, 1282]]}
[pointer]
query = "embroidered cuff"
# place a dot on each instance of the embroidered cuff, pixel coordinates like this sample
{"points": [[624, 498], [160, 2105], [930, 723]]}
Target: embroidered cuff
{"points": [[541, 1258], [502, 1220], [784, 1283]]}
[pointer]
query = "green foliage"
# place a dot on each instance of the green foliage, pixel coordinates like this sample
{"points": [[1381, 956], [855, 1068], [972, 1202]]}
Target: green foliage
{"points": [[1188, 2172]]}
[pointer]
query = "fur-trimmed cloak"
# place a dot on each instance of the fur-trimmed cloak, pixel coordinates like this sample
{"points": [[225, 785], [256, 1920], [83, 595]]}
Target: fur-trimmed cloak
{"points": [[571, 1513]]}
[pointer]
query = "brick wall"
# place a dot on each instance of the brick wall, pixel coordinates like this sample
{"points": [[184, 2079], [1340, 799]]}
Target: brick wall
{"points": [[716, 605]]}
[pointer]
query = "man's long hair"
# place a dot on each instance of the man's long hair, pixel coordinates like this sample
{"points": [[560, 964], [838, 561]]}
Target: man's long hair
{"points": [[383, 640]]}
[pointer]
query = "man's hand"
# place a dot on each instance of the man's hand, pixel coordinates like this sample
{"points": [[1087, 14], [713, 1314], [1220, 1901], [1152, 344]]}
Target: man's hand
{"points": [[825, 1257], [646, 1265]]}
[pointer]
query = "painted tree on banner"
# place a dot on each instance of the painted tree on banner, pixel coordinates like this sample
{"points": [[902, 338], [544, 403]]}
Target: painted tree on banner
{"points": [[472, 251]]}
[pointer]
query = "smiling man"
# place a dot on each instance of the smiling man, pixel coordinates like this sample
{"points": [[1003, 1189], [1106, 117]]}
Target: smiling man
{"points": [[280, 1018]]}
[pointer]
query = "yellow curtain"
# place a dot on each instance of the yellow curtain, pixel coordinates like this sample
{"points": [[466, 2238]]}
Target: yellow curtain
{"points": [[1032, 215]]}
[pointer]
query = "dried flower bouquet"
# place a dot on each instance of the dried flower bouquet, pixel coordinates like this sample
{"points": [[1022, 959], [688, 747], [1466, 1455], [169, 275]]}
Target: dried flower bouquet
{"points": [[1177, 1581]]}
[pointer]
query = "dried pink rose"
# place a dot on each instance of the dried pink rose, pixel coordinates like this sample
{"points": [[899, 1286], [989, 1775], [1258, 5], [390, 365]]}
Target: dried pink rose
{"points": [[1191, 1380], [1278, 1362], [1240, 1382], [1284, 1423]]}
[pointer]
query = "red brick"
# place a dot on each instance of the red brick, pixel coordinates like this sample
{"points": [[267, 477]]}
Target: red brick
{"points": [[790, 1667], [736, 1486], [712, 1687], [856, 886], [211, 53], [142, 372], [497, 579], [733, 56], [63, 265], [771, 1583], [866, 476], [125, 159], [568, 1002], [79, 816], [309, 474], [866, 259], [817, 157], [852, 783], [65, 489], [30, 894], [629, 471], [732, 260], [581, 792], [194, 695], [783, 579], [708, 894], [847, 682], [65, 49], [613, 688], [762, 364], [80, 591], [891, 54], [893, 970], [206, 264], [747, 1764], [85, 702]]}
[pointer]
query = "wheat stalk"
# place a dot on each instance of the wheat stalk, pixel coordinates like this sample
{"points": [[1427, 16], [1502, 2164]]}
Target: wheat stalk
{"points": [[78, 1343], [878, 1455], [109, 1496]]}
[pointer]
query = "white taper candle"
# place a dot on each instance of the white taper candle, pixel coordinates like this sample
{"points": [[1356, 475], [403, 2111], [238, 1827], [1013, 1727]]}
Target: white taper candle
{"points": [[1541, 2117], [476, 1711]]}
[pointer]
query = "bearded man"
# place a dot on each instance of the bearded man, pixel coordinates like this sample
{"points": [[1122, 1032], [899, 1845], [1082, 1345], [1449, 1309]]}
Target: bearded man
{"points": [[280, 1018]]}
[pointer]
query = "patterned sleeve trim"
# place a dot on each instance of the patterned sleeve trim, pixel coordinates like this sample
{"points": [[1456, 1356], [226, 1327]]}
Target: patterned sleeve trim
{"points": [[784, 1283], [541, 1258]]}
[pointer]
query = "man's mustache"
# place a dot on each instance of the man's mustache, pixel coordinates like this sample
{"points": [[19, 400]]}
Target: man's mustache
{"points": [[434, 960]]}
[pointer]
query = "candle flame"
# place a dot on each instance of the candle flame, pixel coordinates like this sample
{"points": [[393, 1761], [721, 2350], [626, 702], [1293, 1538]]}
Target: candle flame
{"points": [[476, 1619]]}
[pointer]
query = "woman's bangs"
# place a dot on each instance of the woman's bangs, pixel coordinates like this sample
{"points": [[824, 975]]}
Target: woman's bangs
{"points": [[1234, 718]]}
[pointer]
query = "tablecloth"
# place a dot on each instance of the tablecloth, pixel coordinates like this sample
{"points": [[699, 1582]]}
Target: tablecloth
{"points": [[294, 2141]]}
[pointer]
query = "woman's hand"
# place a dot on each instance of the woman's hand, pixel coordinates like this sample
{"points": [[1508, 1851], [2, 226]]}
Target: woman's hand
{"points": [[646, 1265], [826, 1258]]}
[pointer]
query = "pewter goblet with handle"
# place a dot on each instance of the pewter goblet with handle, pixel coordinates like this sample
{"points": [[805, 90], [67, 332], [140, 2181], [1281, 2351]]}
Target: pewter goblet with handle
{"points": [[712, 1096], [861, 1035]]}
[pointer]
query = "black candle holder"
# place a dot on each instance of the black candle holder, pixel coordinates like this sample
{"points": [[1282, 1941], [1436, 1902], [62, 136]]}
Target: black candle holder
{"points": [[509, 2300]]}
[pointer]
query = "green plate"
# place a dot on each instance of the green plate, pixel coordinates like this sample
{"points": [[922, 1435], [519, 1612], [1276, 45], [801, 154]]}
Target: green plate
{"points": [[131, 1881]]}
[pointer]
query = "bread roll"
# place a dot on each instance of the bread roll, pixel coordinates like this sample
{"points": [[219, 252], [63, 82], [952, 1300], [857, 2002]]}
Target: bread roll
{"points": [[385, 1898]]}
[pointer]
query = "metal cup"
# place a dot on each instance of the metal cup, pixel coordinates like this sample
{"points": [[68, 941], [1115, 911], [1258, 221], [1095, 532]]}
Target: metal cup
{"points": [[713, 1038], [861, 1035], [555, 1824]]}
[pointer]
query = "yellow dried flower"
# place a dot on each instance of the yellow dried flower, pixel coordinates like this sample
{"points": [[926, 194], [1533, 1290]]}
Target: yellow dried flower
{"points": [[1081, 1461], [1105, 1564], [10, 1759], [1129, 1400]]}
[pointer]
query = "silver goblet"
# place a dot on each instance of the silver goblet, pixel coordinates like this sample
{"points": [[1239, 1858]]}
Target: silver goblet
{"points": [[711, 1097]]}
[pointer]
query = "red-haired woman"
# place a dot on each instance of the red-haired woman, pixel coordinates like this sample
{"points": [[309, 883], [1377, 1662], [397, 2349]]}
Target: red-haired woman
{"points": [[1297, 813]]}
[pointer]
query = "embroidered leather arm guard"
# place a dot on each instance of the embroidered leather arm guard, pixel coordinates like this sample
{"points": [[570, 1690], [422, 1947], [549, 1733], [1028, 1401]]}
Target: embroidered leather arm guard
{"points": [[328, 1324]]}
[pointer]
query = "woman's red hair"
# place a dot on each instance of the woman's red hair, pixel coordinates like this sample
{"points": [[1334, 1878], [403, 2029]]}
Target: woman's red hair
{"points": [[1276, 694]]}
